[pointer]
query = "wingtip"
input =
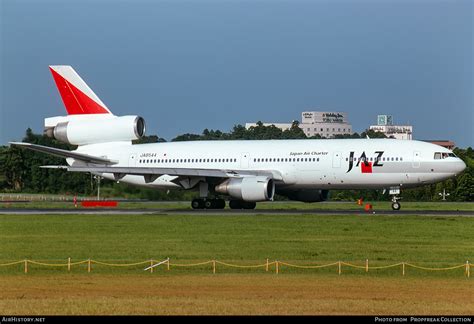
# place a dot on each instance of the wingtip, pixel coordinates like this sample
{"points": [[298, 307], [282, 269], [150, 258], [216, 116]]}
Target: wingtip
{"points": [[19, 143]]}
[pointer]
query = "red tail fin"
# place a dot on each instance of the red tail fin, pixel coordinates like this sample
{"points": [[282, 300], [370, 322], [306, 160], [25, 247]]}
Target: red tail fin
{"points": [[78, 98]]}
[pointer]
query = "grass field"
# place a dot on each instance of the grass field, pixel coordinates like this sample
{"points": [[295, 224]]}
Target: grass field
{"points": [[239, 239], [234, 294], [281, 205]]}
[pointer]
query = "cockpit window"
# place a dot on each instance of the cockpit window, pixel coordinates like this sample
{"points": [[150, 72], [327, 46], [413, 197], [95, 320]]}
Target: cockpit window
{"points": [[443, 155]]}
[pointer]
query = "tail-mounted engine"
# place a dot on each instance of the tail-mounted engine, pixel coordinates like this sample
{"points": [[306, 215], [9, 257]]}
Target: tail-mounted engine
{"points": [[87, 129]]}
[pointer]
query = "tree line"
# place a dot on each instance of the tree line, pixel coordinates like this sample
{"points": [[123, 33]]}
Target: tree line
{"points": [[20, 169]]}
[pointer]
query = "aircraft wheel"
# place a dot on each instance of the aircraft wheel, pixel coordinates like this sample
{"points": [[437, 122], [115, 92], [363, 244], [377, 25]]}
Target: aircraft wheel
{"points": [[249, 205], [239, 204], [396, 205], [235, 204], [197, 204], [220, 203], [209, 204]]}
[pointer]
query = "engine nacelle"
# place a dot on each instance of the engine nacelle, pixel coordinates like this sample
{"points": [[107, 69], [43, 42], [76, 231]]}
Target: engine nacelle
{"points": [[248, 188], [100, 130], [306, 195]]}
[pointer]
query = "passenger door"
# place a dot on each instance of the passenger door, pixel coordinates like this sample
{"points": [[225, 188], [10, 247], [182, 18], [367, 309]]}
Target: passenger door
{"points": [[416, 159], [336, 159], [244, 160], [132, 160]]}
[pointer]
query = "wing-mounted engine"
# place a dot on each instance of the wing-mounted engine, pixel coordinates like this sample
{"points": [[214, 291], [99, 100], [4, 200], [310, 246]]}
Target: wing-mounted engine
{"points": [[248, 188], [306, 195], [92, 129]]}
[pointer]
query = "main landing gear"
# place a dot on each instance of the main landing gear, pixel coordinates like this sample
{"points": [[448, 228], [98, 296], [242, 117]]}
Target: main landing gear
{"points": [[217, 203], [239, 204], [205, 203]]}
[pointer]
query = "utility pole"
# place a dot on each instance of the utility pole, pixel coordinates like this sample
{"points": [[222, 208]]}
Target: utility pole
{"points": [[98, 178], [443, 194]]}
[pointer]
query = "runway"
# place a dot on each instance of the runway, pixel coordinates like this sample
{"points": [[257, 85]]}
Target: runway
{"points": [[224, 212]]}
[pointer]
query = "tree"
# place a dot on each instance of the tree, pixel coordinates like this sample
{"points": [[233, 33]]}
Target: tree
{"points": [[149, 139], [295, 132], [465, 188], [372, 134]]}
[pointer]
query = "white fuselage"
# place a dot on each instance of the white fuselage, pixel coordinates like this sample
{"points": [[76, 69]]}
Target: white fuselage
{"points": [[303, 164]]}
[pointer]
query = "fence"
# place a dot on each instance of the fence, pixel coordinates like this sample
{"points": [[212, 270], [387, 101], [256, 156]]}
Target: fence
{"points": [[276, 265]]}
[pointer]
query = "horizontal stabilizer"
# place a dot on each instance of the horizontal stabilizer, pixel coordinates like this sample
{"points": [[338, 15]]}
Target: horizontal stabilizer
{"points": [[63, 153]]}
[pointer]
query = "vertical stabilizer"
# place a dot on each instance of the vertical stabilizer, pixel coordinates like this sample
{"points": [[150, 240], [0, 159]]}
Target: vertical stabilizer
{"points": [[78, 98]]}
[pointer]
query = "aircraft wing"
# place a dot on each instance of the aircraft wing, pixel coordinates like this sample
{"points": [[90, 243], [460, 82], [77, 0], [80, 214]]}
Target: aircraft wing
{"points": [[152, 173], [64, 153]]}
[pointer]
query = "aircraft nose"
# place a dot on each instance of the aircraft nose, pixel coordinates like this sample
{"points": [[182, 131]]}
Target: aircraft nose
{"points": [[460, 166]]}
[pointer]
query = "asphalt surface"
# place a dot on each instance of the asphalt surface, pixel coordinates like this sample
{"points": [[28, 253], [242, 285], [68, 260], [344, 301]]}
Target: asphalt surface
{"points": [[223, 212]]}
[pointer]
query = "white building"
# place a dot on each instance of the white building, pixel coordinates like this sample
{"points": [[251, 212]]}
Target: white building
{"points": [[385, 125], [325, 124]]}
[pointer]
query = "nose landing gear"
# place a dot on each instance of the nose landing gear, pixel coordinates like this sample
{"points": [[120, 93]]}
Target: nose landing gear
{"points": [[395, 204], [395, 199]]}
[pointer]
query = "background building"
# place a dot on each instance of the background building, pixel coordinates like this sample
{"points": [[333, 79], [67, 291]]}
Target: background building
{"points": [[450, 145], [322, 123], [325, 124], [385, 125]]}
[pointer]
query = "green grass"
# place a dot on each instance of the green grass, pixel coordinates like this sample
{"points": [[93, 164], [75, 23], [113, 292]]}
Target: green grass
{"points": [[237, 239], [243, 239], [280, 205]]}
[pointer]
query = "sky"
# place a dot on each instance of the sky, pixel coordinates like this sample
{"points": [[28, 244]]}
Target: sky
{"points": [[189, 65]]}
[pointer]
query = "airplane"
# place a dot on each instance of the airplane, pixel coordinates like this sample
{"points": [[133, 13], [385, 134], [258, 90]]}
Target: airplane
{"points": [[244, 171]]}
